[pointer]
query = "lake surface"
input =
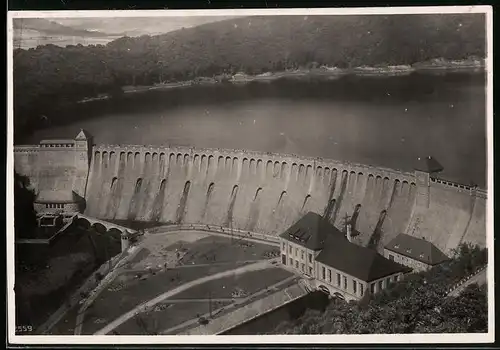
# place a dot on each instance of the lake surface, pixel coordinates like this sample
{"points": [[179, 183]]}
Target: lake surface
{"points": [[386, 121]]}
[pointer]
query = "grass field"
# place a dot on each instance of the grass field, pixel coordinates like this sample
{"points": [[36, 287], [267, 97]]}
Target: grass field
{"points": [[166, 316], [188, 257], [217, 249], [66, 325], [227, 287], [111, 304]]}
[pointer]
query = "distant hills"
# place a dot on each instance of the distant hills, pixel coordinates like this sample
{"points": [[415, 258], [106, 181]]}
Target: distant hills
{"points": [[50, 76], [47, 27]]}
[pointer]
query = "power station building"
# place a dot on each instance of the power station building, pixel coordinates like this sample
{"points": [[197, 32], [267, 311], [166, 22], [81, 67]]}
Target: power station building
{"points": [[315, 248]]}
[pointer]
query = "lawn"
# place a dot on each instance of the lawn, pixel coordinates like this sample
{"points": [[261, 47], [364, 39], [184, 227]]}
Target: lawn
{"points": [[166, 316], [132, 288], [111, 304], [217, 249], [66, 325], [227, 287]]}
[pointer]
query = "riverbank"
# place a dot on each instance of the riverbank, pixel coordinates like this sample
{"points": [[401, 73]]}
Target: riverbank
{"points": [[437, 66]]}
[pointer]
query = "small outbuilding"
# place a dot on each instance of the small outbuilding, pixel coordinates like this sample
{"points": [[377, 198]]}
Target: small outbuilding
{"points": [[416, 253]]}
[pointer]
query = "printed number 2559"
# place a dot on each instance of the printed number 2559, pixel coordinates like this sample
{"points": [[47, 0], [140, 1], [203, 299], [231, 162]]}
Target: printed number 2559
{"points": [[24, 329]]}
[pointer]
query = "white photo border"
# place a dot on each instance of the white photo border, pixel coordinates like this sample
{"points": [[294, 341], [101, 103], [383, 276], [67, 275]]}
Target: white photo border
{"points": [[261, 339]]}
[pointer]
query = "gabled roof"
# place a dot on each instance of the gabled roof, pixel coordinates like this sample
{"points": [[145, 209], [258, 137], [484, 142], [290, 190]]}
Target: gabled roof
{"points": [[310, 231], [417, 248], [51, 196], [360, 262], [428, 165], [82, 135]]}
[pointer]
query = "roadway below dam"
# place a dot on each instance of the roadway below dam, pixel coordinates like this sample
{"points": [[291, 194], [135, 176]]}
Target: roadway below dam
{"points": [[266, 193]]}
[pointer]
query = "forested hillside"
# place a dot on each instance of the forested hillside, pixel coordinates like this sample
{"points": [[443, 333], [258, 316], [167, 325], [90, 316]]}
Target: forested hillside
{"points": [[49, 77]]}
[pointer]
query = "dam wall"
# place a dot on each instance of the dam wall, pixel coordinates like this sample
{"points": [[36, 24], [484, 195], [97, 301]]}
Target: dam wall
{"points": [[264, 192], [26, 162]]}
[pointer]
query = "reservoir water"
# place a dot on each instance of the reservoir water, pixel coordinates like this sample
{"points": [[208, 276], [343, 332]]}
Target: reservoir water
{"points": [[384, 121]]}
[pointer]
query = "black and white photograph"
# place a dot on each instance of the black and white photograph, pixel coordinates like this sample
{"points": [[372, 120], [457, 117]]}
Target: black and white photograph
{"points": [[299, 175]]}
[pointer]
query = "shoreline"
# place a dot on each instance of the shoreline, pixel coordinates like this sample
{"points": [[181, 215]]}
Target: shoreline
{"points": [[327, 73]]}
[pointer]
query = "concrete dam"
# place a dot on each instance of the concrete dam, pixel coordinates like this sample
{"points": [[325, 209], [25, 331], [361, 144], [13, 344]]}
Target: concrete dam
{"points": [[258, 192]]}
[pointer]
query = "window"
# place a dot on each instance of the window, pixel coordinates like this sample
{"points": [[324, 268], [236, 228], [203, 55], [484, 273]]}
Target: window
{"points": [[310, 257], [338, 279], [345, 282], [46, 205], [291, 261], [391, 257], [283, 246], [323, 273], [380, 285], [303, 267], [329, 275], [296, 264], [310, 270], [354, 287], [296, 251], [302, 255], [372, 288], [290, 250], [388, 281], [361, 289], [395, 278]]}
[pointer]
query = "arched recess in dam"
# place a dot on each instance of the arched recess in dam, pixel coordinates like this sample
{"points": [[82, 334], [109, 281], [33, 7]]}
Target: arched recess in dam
{"points": [[268, 193]]}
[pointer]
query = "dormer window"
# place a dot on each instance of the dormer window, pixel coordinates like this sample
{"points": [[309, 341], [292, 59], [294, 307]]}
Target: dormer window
{"points": [[422, 255], [396, 246], [408, 250]]}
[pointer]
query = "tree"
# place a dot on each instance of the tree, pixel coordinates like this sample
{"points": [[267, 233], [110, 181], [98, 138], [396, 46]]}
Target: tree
{"points": [[25, 224]]}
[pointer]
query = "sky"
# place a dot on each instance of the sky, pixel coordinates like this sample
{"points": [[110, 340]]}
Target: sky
{"points": [[33, 33], [137, 26]]}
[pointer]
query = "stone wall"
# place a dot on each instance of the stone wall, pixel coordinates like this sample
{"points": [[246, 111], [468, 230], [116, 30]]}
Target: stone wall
{"points": [[262, 192], [265, 192], [55, 168]]}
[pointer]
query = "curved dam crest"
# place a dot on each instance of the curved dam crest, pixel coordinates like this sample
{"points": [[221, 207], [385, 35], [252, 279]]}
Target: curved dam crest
{"points": [[264, 192]]}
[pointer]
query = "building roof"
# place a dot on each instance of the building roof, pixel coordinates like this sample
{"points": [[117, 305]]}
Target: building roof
{"points": [[428, 165], [51, 196], [83, 135], [360, 262], [417, 248], [310, 231]]}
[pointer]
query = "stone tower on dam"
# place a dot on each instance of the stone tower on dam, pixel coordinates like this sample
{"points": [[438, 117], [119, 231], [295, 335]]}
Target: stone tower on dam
{"points": [[260, 192]]}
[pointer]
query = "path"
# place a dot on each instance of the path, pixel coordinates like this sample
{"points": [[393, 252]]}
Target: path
{"points": [[102, 284], [236, 236], [125, 317], [480, 278], [176, 301], [239, 301], [199, 265], [75, 298]]}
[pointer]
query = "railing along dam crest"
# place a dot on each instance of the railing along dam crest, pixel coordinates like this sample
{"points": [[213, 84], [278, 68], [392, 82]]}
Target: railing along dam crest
{"points": [[274, 164]]}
